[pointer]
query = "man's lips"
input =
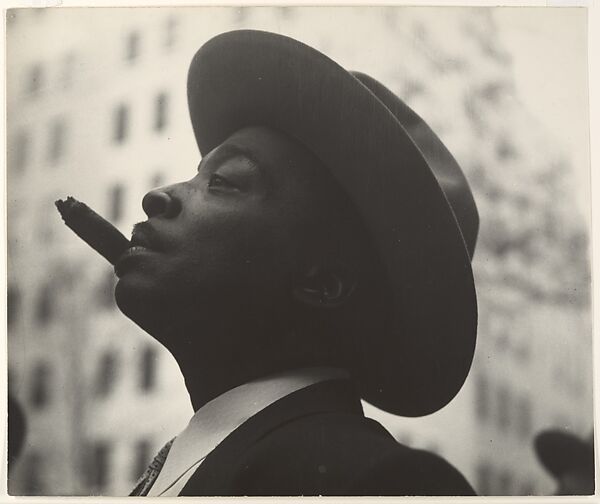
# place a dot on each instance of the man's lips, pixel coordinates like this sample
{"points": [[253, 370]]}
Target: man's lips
{"points": [[130, 257]]}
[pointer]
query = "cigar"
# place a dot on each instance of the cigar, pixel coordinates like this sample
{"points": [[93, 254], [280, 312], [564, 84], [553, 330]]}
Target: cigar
{"points": [[93, 229]]}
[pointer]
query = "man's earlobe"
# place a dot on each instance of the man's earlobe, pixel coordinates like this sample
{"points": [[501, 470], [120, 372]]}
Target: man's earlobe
{"points": [[324, 288]]}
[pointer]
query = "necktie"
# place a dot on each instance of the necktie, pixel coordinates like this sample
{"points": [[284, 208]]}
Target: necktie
{"points": [[143, 485]]}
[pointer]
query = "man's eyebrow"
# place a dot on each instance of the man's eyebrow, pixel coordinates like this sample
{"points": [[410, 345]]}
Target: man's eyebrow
{"points": [[228, 151]]}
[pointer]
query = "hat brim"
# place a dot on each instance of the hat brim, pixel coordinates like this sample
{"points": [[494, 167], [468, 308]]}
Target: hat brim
{"points": [[253, 78], [443, 165], [560, 452]]}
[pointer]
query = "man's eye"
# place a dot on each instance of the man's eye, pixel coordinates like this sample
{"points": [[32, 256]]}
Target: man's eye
{"points": [[217, 181]]}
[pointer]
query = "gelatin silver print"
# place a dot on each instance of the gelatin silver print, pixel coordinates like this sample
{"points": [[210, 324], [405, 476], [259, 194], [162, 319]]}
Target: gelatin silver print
{"points": [[298, 251]]}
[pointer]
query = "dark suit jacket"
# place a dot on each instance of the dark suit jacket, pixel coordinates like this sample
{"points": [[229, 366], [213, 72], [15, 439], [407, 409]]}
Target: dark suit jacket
{"points": [[317, 441]]}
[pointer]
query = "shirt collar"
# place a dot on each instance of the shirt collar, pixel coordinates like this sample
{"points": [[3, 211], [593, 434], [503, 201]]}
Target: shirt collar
{"points": [[218, 418]]}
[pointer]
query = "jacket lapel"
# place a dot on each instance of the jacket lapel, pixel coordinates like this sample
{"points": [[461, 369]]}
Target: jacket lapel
{"points": [[213, 476]]}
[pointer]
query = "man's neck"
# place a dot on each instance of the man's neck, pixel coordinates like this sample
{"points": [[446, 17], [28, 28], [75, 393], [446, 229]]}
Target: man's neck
{"points": [[218, 355], [217, 359]]}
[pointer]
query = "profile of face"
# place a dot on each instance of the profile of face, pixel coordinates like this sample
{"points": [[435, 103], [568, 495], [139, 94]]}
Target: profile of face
{"points": [[243, 240]]}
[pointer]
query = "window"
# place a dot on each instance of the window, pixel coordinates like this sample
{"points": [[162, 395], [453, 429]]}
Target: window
{"points": [[99, 464], [106, 290], [56, 143], [44, 309], [32, 471], [13, 304], [504, 405], [121, 123], [20, 152], [35, 79], [482, 398], [106, 375], [160, 111], [132, 47], [40, 386], [171, 32], [116, 196], [142, 458], [148, 369]]}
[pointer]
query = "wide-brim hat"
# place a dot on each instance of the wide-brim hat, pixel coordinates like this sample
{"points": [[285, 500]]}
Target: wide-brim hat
{"points": [[253, 78], [560, 452]]}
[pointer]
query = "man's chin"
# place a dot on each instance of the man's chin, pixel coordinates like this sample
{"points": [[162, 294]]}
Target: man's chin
{"points": [[134, 298]]}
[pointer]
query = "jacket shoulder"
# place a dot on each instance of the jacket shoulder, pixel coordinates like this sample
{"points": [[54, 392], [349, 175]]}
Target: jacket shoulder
{"points": [[413, 472], [342, 454]]}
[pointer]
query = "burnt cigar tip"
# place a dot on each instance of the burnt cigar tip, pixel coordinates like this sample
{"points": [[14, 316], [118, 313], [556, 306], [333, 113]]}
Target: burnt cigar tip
{"points": [[64, 206]]}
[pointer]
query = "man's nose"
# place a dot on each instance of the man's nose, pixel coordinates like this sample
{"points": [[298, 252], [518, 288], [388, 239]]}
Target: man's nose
{"points": [[161, 203]]}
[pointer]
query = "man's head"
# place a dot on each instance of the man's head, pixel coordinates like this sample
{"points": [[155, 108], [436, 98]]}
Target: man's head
{"points": [[287, 255], [256, 245]]}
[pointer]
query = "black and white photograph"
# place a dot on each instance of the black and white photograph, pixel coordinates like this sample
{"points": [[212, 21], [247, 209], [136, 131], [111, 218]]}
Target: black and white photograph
{"points": [[294, 250]]}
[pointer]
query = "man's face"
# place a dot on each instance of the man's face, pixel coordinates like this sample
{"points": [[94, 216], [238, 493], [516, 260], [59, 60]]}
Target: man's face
{"points": [[231, 236]]}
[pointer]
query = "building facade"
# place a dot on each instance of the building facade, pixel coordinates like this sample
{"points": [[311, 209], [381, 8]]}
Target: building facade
{"points": [[100, 113]]}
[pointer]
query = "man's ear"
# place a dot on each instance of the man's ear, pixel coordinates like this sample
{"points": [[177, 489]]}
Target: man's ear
{"points": [[324, 287]]}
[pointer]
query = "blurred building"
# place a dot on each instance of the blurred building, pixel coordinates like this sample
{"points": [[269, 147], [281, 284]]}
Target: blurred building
{"points": [[100, 113]]}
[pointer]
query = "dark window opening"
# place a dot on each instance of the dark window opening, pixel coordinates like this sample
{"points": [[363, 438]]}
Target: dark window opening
{"points": [[107, 371], [504, 407], [148, 369], [121, 124], [171, 32], [40, 386], [35, 79], [99, 465], [482, 397], [116, 196], [106, 290], [132, 50], [160, 111], [20, 152], [33, 471], [56, 145], [142, 458], [44, 307]]}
